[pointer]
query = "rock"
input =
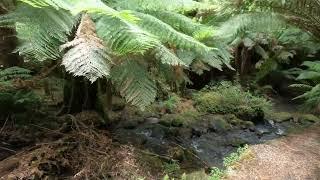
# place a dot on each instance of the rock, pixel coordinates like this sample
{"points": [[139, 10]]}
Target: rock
{"points": [[279, 132], [309, 118], [279, 116], [262, 130], [219, 125], [152, 120], [198, 131]]}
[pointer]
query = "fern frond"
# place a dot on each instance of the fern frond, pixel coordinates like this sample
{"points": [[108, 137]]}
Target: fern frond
{"points": [[304, 14], [312, 65], [254, 22], [124, 37], [169, 35], [184, 24], [87, 55], [168, 5], [131, 79], [13, 73], [40, 31], [167, 57], [78, 6]]}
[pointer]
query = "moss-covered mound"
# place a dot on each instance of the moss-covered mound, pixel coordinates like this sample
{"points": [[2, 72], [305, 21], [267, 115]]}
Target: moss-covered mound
{"points": [[228, 98]]}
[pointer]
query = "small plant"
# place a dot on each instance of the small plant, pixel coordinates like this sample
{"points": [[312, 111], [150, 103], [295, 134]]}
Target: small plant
{"points": [[229, 161], [227, 97], [171, 168], [216, 174], [235, 157], [172, 103]]}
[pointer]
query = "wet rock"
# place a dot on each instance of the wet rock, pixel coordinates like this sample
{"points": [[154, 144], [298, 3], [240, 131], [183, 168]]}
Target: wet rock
{"points": [[261, 130], [152, 120], [219, 124]]}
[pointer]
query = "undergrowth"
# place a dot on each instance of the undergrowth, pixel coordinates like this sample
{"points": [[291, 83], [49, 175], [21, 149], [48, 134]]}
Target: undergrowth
{"points": [[229, 162], [227, 97]]}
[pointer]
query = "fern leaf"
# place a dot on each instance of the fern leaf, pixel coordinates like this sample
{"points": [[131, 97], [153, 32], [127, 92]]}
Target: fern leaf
{"points": [[167, 57], [40, 31], [13, 73], [184, 24], [168, 5], [131, 79], [124, 37], [169, 35], [87, 56]]}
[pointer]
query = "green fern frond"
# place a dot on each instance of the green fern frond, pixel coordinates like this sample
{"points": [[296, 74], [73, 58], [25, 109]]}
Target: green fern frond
{"points": [[254, 22], [305, 14], [169, 5], [13, 73], [169, 35], [312, 65], [86, 56], [133, 83], [184, 24], [124, 37], [166, 56], [40, 31]]}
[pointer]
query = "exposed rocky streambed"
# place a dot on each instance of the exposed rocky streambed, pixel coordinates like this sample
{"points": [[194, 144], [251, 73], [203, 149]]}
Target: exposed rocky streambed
{"points": [[206, 141]]}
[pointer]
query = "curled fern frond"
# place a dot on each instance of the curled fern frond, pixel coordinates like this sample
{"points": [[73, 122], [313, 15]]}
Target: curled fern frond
{"points": [[87, 55]]}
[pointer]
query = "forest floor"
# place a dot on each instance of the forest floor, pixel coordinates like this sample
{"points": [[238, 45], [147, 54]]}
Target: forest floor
{"points": [[296, 156]]}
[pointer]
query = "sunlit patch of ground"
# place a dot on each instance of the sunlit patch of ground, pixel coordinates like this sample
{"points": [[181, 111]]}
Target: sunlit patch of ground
{"points": [[296, 156]]}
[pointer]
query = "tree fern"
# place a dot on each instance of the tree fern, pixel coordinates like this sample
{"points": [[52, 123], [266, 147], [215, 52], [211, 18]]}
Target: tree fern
{"points": [[87, 55], [133, 83]]}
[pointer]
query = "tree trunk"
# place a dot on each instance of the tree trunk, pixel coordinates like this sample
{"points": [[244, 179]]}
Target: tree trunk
{"points": [[79, 95]]}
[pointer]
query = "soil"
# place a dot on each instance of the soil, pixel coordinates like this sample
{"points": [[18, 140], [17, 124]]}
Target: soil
{"points": [[296, 156]]}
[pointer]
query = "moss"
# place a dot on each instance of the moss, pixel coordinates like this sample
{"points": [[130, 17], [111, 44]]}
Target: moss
{"points": [[309, 118], [227, 98], [279, 116], [182, 119]]}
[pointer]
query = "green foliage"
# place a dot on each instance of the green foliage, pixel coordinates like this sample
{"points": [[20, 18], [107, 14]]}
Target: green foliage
{"points": [[216, 174], [14, 73], [310, 78], [172, 102], [113, 31], [235, 157], [18, 101], [131, 78], [228, 161], [228, 98], [171, 168]]}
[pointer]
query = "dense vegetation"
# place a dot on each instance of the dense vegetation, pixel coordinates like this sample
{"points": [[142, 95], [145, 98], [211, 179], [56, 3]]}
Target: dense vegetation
{"points": [[89, 67]]}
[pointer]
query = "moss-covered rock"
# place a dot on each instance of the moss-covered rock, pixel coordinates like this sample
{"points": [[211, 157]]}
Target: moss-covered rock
{"points": [[279, 116], [309, 118], [228, 98], [181, 119]]}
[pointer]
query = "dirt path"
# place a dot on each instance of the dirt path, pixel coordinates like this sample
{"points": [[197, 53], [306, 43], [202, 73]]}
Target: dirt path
{"points": [[295, 157]]}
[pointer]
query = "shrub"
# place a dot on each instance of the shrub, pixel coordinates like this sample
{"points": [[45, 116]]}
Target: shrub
{"points": [[227, 98]]}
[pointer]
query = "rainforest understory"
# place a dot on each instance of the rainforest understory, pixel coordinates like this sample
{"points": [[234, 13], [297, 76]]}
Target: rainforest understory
{"points": [[159, 89]]}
